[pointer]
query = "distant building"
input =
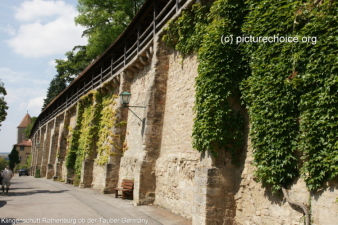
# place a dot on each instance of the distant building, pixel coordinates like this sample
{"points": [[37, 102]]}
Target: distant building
{"points": [[23, 125], [24, 148], [23, 145]]}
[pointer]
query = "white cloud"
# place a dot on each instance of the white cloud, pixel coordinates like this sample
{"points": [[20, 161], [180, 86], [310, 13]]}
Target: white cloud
{"points": [[19, 79], [52, 63], [35, 105], [44, 38], [22, 99], [8, 29], [23, 93], [9, 76], [37, 9]]}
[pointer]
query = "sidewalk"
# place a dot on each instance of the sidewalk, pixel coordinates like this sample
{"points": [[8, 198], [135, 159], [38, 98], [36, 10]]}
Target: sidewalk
{"points": [[42, 201]]}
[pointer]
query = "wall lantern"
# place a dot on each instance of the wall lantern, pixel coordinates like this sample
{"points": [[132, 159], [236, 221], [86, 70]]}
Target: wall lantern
{"points": [[125, 99]]}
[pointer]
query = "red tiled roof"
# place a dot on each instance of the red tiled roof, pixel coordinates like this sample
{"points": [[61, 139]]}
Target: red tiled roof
{"points": [[25, 121], [25, 143]]}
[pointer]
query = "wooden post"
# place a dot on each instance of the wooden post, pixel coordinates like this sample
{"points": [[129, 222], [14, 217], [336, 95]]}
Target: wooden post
{"points": [[125, 52], [101, 74], [154, 21], [138, 37], [112, 64]]}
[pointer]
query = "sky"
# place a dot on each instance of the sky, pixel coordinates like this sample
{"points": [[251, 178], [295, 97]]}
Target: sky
{"points": [[33, 33]]}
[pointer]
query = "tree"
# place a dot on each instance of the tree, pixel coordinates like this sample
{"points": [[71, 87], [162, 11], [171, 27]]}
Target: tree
{"points": [[77, 60], [13, 158], [56, 86], [105, 21], [3, 163], [3, 103], [29, 127]]}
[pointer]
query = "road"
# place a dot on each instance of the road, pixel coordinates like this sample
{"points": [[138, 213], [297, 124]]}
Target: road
{"points": [[41, 201]]}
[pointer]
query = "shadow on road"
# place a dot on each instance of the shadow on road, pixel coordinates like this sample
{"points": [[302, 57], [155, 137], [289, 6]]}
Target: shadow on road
{"points": [[3, 203], [37, 192], [19, 188]]}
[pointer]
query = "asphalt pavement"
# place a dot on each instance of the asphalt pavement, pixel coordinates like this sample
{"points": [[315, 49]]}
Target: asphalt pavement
{"points": [[41, 201]]}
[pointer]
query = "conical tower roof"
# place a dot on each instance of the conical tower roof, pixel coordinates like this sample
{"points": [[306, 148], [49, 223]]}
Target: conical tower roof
{"points": [[25, 121]]}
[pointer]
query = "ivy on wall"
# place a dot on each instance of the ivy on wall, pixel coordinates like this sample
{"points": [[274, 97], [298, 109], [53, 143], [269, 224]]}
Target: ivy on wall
{"points": [[216, 124], [92, 138], [318, 82], [90, 119], [270, 100], [106, 134], [73, 139], [289, 89]]}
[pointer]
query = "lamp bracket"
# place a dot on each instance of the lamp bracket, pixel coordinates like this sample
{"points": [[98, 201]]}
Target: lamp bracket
{"points": [[135, 113]]}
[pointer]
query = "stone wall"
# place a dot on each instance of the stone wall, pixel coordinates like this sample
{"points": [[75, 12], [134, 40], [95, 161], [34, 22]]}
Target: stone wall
{"points": [[167, 171], [176, 165], [99, 177], [255, 205], [61, 146], [134, 153], [66, 173]]}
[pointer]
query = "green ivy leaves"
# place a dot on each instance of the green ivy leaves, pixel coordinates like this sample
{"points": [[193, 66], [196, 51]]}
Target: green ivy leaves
{"points": [[289, 89], [220, 71], [302, 122], [93, 132], [106, 125]]}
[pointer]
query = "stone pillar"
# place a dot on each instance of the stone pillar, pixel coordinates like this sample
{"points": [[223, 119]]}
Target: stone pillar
{"points": [[113, 166], [62, 144], [211, 201], [34, 154], [216, 182], [39, 150], [70, 121], [152, 131], [46, 148], [87, 173], [111, 175], [53, 149]]}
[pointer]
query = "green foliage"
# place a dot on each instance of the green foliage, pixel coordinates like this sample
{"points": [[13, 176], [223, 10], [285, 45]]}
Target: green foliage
{"points": [[73, 139], [186, 32], [93, 136], [28, 129], [289, 89], [318, 82], [37, 174], [28, 162], [13, 158], [221, 68], [3, 103], [3, 163], [271, 101], [77, 60], [56, 86], [91, 105], [291, 92], [105, 133], [105, 21]]}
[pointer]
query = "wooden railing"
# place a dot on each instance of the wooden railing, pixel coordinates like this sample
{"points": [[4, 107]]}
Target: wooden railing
{"points": [[153, 15]]}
